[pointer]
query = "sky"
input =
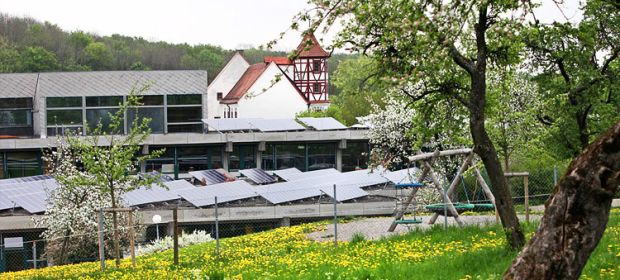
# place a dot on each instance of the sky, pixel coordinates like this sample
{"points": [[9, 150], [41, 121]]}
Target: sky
{"points": [[232, 24]]}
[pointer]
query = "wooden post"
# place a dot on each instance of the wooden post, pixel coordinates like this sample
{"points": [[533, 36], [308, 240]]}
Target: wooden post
{"points": [[132, 243], [175, 238], [447, 200], [487, 192], [34, 254], [454, 183], [526, 182], [101, 241]]}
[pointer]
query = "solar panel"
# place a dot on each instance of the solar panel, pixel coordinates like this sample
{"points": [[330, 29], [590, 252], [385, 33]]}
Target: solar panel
{"points": [[229, 124], [344, 192], [258, 176], [225, 192], [211, 176], [29, 195], [403, 176], [156, 193], [312, 174], [287, 173], [270, 125], [277, 197], [327, 123], [162, 177], [5, 203], [24, 179]]}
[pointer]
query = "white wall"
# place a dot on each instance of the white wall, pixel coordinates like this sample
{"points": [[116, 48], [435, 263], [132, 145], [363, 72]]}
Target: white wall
{"points": [[279, 101], [225, 80]]}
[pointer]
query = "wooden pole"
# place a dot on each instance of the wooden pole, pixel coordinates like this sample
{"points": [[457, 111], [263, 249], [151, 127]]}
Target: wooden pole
{"points": [[439, 154], [101, 244], [526, 182], [456, 181], [132, 243], [409, 198], [487, 192], [175, 238], [447, 200]]}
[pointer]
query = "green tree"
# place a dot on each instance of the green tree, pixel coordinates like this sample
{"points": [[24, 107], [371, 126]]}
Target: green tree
{"points": [[579, 69], [359, 87], [78, 41], [9, 57], [38, 59], [109, 157], [98, 56], [436, 50]]}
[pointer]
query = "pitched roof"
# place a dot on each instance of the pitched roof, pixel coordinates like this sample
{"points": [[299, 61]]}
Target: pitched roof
{"points": [[101, 83], [18, 85], [244, 83], [279, 60], [310, 47]]}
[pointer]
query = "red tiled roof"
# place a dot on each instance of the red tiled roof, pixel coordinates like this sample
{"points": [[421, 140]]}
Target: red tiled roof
{"points": [[279, 60], [310, 47], [244, 83]]}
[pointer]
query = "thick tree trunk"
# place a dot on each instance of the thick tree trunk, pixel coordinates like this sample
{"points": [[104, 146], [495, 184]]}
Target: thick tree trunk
{"points": [[575, 216]]}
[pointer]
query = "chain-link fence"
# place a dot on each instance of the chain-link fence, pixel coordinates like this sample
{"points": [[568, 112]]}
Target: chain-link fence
{"points": [[340, 212]]}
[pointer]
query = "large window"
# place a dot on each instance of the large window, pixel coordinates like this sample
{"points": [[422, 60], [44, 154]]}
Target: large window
{"points": [[183, 159], [355, 156], [242, 157], [21, 164], [16, 116], [64, 114], [291, 155], [152, 108], [102, 116], [184, 113], [321, 156]]}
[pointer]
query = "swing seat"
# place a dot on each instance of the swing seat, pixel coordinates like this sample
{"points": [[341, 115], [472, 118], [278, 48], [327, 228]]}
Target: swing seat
{"points": [[439, 208], [409, 185], [408, 221], [481, 207]]}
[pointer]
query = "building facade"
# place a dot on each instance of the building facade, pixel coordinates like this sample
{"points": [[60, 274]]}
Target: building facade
{"points": [[275, 88]]}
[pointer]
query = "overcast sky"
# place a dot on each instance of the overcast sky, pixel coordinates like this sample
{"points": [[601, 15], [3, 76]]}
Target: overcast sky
{"points": [[231, 24]]}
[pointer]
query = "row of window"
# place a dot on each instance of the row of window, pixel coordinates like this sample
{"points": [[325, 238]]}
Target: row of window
{"points": [[20, 164], [16, 116], [172, 113]]}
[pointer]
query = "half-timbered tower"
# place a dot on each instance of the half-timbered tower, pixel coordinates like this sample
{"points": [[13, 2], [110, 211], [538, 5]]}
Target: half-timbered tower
{"points": [[310, 70]]}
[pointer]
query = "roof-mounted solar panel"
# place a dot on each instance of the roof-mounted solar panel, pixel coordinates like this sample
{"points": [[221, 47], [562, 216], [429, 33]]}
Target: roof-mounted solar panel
{"points": [[258, 176], [285, 174], [211, 176], [225, 125], [327, 123], [156, 193], [344, 192], [161, 177], [24, 179], [225, 192], [273, 125], [311, 174]]}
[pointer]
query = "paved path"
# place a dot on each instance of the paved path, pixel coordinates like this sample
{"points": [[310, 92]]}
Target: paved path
{"points": [[375, 228]]}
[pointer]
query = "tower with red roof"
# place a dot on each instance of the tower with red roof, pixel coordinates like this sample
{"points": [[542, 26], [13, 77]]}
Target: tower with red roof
{"points": [[310, 70]]}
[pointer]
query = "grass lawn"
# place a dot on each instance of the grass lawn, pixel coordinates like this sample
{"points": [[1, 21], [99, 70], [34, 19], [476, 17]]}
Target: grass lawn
{"points": [[285, 253]]}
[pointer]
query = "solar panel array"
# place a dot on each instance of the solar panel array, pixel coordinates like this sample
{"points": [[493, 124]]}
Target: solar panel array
{"points": [[253, 124], [31, 195], [225, 192], [229, 124], [328, 123], [210, 176], [403, 176], [286, 174], [24, 179], [311, 174], [156, 193], [258, 176], [161, 178]]}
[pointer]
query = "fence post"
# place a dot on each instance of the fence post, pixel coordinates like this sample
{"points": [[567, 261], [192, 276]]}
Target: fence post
{"points": [[555, 175], [526, 182], [132, 243], [445, 206], [175, 238], [217, 231], [101, 244], [34, 254], [335, 219]]}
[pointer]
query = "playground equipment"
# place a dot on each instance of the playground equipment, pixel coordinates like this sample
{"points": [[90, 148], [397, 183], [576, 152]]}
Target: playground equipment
{"points": [[401, 195], [448, 207]]}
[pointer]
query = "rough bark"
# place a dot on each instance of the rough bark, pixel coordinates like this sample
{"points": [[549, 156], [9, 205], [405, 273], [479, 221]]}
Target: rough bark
{"points": [[575, 216]]}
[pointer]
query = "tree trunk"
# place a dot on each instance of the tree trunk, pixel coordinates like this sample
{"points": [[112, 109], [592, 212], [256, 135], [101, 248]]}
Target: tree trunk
{"points": [[62, 259], [575, 216], [117, 246], [484, 148]]}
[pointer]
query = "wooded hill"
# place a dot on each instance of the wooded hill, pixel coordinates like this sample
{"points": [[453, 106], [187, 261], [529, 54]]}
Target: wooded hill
{"points": [[28, 45]]}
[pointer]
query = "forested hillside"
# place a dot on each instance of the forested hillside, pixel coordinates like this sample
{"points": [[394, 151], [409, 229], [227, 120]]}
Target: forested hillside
{"points": [[27, 45]]}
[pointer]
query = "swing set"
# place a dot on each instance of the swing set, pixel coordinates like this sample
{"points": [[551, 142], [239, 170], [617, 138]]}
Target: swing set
{"points": [[447, 208]]}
